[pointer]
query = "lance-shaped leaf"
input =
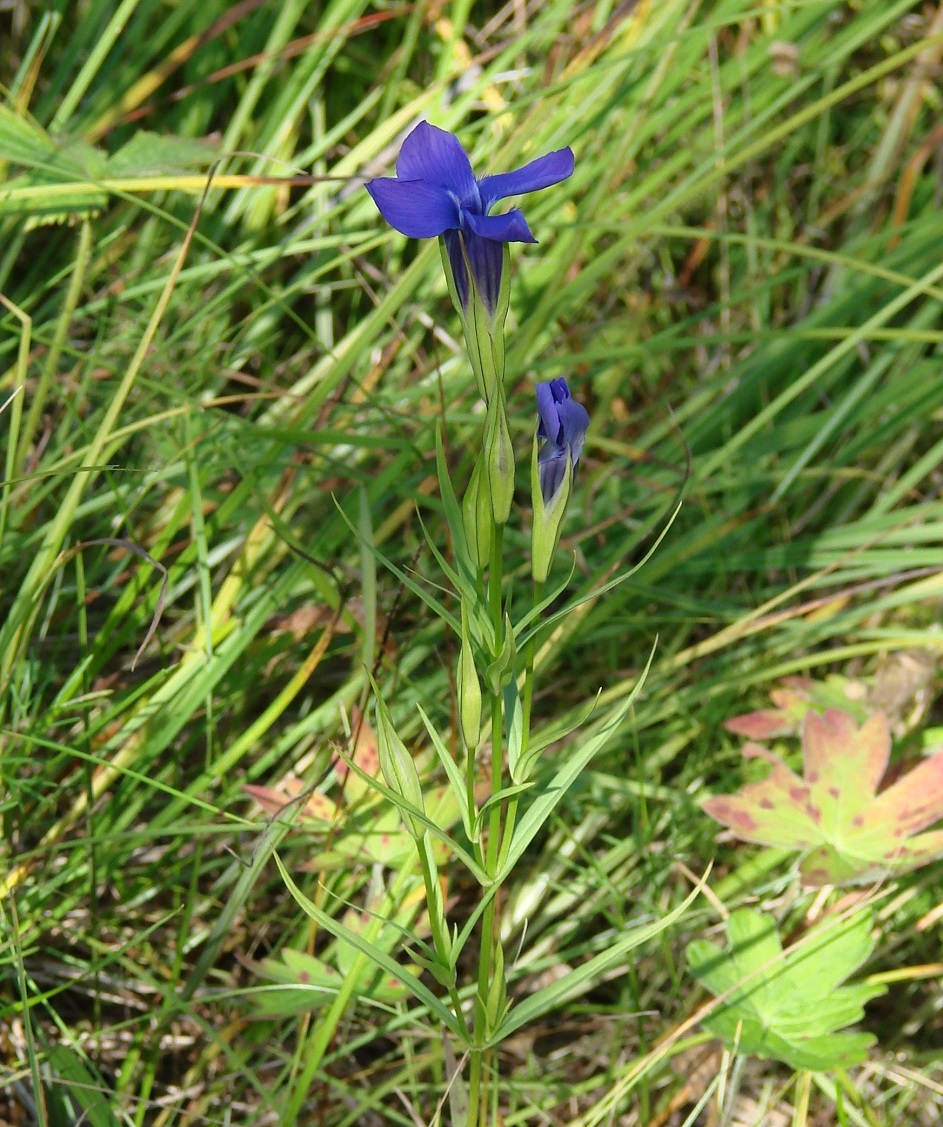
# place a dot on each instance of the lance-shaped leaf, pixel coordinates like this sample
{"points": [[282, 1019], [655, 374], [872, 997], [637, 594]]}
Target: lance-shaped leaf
{"points": [[788, 1006], [835, 813]]}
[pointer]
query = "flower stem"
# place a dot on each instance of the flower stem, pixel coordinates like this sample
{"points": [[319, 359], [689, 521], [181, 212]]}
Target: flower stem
{"points": [[525, 734], [480, 1058]]}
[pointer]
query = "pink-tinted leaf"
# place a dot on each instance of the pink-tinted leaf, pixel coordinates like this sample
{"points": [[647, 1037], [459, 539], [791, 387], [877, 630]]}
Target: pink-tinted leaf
{"points": [[844, 763], [915, 801], [765, 724], [923, 848], [834, 813], [776, 811], [273, 800], [794, 691], [793, 699]]}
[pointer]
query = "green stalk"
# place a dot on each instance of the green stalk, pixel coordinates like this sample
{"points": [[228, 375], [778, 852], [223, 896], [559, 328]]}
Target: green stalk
{"points": [[50, 369], [471, 774], [525, 738], [478, 1072], [497, 732]]}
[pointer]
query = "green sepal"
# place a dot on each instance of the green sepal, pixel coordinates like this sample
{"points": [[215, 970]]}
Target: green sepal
{"points": [[455, 777], [445, 976], [454, 513], [450, 279], [548, 519], [501, 669], [495, 799], [443, 965], [499, 457], [484, 330], [496, 1004], [514, 712], [477, 519], [398, 767], [521, 760]]}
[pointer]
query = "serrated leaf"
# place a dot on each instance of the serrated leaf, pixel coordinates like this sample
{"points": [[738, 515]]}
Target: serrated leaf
{"points": [[161, 154], [835, 813], [788, 1006], [60, 178]]}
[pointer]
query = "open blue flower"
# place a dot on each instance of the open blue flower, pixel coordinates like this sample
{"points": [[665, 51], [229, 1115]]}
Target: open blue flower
{"points": [[436, 193], [563, 424]]}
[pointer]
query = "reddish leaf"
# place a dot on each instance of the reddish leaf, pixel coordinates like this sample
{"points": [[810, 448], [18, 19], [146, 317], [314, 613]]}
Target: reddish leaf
{"points": [[835, 812], [797, 696], [273, 800]]}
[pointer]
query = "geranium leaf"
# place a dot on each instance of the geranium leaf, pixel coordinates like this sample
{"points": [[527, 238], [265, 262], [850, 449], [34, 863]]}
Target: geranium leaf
{"points": [[834, 812], [793, 699], [789, 1006]]}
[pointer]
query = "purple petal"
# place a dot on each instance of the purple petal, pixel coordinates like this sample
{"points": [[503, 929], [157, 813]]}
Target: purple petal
{"points": [[509, 228], [540, 173], [431, 154], [453, 248], [551, 470], [560, 389], [486, 261], [574, 421], [414, 208], [549, 418]]}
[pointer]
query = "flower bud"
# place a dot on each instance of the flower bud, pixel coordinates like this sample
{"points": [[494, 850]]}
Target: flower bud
{"points": [[499, 456], [476, 517], [548, 518], [399, 770], [469, 692]]}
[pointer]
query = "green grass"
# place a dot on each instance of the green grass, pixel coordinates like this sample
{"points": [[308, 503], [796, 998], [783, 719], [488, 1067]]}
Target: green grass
{"points": [[743, 281]]}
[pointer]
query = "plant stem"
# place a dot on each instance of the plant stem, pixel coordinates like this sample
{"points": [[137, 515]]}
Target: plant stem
{"points": [[480, 1058], [525, 736]]}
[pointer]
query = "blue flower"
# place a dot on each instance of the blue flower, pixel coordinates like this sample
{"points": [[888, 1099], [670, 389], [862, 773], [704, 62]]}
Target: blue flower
{"points": [[436, 193], [563, 424]]}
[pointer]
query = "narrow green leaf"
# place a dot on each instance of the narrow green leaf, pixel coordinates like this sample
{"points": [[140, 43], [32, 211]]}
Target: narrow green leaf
{"points": [[570, 985], [571, 765], [455, 777], [75, 1080], [377, 956]]}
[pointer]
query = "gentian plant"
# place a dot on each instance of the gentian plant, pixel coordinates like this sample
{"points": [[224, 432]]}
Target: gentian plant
{"points": [[435, 194]]}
